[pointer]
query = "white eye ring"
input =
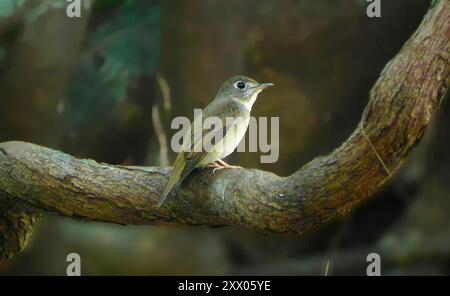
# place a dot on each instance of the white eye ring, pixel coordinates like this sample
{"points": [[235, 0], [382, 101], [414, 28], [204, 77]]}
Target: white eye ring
{"points": [[240, 85]]}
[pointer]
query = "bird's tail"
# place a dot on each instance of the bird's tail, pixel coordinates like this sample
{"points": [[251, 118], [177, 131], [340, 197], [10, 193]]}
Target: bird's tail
{"points": [[172, 182]]}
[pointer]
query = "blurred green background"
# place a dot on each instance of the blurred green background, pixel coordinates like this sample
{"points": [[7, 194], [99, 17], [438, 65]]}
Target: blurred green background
{"points": [[100, 86]]}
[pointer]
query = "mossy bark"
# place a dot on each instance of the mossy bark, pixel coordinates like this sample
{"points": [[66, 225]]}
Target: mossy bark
{"points": [[408, 92], [16, 225]]}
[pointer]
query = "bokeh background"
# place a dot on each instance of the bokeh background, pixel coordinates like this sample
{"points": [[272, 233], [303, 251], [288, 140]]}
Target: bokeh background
{"points": [[105, 86]]}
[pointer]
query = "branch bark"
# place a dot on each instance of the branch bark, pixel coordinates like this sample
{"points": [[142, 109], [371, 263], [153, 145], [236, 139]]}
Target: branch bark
{"points": [[16, 225], [401, 104]]}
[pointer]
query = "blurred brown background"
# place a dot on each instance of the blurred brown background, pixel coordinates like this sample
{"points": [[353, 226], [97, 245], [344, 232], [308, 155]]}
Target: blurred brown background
{"points": [[87, 86]]}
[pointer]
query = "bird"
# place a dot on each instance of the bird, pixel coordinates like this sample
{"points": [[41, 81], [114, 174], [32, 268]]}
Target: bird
{"points": [[232, 106]]}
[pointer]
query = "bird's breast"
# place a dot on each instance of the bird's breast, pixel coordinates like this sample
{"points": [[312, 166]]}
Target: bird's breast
{"points": [[229, 142]]}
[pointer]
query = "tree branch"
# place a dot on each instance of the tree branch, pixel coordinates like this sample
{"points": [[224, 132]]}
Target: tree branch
{"points": [[401, 104]]}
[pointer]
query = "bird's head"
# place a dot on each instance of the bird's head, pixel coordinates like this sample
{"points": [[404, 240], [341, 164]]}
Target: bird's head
{"points": [[243, 89]]}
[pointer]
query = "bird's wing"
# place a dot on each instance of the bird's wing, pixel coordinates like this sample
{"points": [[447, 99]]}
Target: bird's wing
{"points": [[193, 153], [194, 150], [194, 156]]}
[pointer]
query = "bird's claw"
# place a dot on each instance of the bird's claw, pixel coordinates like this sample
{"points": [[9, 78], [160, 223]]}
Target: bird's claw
{"points": [[217, 169], [225, 168], [222, 166]]}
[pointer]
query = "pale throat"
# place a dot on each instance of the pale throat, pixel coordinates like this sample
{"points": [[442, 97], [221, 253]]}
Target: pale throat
{"points": [[248, 105]]}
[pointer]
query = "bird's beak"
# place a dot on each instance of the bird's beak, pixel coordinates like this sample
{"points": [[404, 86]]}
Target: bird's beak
{"points": [[263, 86]]}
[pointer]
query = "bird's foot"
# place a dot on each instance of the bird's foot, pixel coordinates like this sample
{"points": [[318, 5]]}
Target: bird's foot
{"points": [[215, 166], [222, 165], [227, 166], [217, 169]]}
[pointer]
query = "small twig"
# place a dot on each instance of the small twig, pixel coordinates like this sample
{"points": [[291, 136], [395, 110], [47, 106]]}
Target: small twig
{"points": [[327, 266], [375, 150], [336, 240], [165, 90], [162, 139]]}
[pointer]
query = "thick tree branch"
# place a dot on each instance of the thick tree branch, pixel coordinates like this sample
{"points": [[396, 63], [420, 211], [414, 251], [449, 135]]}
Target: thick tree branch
{"points": [[401, 104]]}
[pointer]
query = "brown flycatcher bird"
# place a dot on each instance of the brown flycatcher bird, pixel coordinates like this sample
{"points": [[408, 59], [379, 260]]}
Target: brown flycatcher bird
{"points": [[231, 106]]}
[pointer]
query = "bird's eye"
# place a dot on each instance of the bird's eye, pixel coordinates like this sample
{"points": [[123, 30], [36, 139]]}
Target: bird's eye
{"points": [[240, 85]]}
